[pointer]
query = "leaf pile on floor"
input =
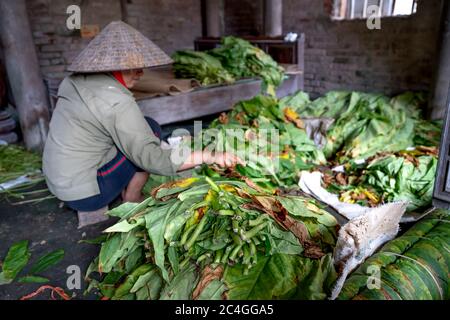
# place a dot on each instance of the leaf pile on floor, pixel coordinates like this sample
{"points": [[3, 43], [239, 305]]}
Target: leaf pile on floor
{"points": [[406, 175], [366, 124], [17, 259], [269, 136], [15, 161], [196, 229]]}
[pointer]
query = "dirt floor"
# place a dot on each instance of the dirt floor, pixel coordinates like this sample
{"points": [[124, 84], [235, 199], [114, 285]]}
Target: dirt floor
{"points": [[47, 226], [50, 225]]}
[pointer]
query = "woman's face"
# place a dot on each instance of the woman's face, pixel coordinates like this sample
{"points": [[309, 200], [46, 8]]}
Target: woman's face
{"points": [[131, 77]]}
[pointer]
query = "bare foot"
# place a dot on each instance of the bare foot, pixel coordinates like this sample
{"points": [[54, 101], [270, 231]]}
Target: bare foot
{"points": [[133, 192]]}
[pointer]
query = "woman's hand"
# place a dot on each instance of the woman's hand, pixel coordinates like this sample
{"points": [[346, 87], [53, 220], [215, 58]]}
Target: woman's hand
{"points": [[224, 159]]}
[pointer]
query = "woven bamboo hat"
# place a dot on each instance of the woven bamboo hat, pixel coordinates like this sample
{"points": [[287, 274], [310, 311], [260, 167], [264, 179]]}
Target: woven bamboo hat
{"points": [[119, 47]]}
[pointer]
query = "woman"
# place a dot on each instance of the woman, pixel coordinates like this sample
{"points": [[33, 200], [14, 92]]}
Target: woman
{"points": [[99, 144]]}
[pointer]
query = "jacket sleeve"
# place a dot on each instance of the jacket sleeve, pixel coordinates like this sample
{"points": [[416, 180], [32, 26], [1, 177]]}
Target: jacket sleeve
{"points": [[134, 138]]}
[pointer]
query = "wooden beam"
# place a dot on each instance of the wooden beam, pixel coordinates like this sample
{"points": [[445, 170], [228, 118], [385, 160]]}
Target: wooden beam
{"points": [[124, 10], [23, 71], [273, 18]]}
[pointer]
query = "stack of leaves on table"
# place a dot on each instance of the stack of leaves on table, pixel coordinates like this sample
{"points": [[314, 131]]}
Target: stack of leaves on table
{"points": [[201, 66], [234, 59], [202, 239]]}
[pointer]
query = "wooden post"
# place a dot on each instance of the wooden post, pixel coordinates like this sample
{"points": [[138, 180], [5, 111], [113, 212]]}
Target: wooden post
{"points": [[273, 18], [442, 79], [23, 71], [214, 18]]}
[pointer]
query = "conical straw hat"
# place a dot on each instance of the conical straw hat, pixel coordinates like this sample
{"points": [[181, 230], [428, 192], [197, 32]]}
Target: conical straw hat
{"points": [[119, 47]]}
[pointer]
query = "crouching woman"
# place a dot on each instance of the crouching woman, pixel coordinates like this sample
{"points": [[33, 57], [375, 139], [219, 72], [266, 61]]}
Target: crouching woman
{"points": [[100, 146]]}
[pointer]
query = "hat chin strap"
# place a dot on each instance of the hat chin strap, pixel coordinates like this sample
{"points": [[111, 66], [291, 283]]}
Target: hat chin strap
{"points": [[119, 77]]}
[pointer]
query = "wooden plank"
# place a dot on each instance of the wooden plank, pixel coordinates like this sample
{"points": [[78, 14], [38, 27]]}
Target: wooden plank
{"points": [[208, 101]]}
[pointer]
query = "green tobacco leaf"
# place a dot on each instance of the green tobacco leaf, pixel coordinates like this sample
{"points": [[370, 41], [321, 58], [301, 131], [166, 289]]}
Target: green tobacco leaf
{"points": [[283, 242], [47, 261], [128, 208], [98, 240], [273, 277], [281, 276], [33, 279], [114, 249], [156, 222], [213, 291], [317, 285], [125, 226], [181, 286], [16, 259], [297, 206], [3, 280]]}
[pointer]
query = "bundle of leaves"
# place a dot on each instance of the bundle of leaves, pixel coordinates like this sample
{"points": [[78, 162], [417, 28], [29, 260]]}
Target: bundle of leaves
{"points": [[242, 59], [201, 66], [202, 239], [15, 161], [406, 175], [415, 266], [269, 136], [366, 124]]}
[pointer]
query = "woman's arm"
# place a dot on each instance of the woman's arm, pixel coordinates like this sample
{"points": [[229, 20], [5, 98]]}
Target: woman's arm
{"points": [[222, 159]]}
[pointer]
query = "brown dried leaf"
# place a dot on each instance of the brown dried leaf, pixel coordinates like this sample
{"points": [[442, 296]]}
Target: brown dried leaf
{"points": [[312, 250], [341, 179], [297, 228], [207, 276]]}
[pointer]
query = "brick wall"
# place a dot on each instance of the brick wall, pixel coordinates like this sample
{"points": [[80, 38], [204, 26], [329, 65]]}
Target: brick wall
{"points": [[243, 17], [171, 24], [338, 55], [347, 55]]}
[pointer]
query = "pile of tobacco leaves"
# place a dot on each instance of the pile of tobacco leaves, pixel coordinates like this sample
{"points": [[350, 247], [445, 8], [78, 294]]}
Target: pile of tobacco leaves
{"points": [[245, 232], [20, 173], [201, 66], [197, 238], [234, 59]]}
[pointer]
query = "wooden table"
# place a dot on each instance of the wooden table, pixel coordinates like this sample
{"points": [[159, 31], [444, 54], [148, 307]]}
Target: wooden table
{"points": [[211, 100]]}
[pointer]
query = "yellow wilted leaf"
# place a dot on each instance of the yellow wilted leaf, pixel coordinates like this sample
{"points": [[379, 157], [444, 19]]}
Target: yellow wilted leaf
{"points": [[346, 197], [290, 113], [209, 196], [271, 90], [371, 196], [227, 187], [185, 182], [293, 117]]}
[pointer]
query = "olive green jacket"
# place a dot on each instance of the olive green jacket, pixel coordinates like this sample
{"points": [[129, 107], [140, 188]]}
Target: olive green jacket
{"points": [[95, 115]]}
